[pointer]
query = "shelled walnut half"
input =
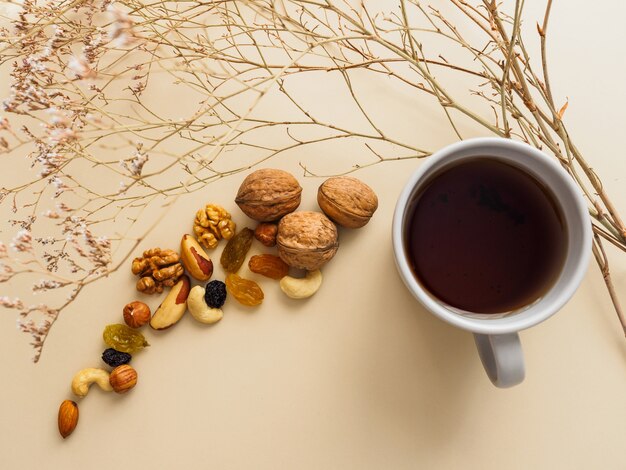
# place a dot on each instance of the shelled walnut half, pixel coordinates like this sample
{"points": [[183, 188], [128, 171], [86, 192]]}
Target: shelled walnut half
{"points": [[158, 269], [213, 223]]}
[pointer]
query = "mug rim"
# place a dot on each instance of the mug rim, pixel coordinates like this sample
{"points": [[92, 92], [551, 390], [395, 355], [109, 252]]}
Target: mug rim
{"points": [[515, 321]]}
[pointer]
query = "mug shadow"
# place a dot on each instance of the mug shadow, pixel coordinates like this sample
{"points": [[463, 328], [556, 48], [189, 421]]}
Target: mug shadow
{"points": [[423, 376]]}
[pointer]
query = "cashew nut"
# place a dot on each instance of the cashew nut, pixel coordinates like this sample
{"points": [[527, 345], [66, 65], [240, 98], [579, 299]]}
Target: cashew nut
{"points": [[200, 310], [301, 288], [84, 378]]}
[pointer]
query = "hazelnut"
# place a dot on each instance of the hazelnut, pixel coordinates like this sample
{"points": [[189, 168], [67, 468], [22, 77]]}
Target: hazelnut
{"points": [[123, 378], [347, 201], [267, 194], [136, 314], [306, 240], [266, 233]]}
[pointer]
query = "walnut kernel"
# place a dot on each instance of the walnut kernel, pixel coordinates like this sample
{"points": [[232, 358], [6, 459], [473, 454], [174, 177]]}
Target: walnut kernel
{"points": [[158, 269], [213, 223]]}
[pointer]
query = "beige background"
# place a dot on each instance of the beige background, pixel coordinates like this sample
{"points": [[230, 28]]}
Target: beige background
{"points": [[359, 376]]}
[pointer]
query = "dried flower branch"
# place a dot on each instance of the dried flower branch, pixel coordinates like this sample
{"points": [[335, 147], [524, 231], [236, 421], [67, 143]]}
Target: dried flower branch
{"points": [[86, 78]]}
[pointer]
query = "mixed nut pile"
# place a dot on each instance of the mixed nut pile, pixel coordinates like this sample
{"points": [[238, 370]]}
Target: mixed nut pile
{"points": [[304, 240]]}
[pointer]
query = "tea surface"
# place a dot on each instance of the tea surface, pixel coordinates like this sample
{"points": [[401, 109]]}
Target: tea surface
{"points": [[485, 237]]}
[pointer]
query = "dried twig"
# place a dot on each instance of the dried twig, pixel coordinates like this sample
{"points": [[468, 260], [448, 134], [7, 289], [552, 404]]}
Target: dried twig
{"points": [[82, 76]]}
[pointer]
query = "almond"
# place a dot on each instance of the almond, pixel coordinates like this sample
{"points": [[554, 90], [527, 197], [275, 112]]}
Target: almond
{"points": [[194, 258], [68, 417]]}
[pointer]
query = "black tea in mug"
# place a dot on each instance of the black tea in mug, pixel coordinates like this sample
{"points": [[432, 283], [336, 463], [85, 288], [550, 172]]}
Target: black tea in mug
{"points": [[485, 236]]}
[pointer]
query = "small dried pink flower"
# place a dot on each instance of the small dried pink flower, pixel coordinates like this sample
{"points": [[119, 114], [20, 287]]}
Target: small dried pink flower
{"points": [[81, 68], [22, 242], [8, 303]]}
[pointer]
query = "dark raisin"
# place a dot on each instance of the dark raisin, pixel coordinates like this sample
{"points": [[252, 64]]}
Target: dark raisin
{"points": [[215, 294], [115, 358]]}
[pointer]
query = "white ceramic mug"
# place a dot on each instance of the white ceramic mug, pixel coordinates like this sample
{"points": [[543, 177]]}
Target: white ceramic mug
{"points": [[497, 336]]}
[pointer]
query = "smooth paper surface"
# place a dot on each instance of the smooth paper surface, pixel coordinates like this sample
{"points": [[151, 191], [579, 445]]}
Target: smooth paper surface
{"points": [[359, 376]]}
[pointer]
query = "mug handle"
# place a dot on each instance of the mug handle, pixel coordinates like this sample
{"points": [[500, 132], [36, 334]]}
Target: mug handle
{"points": [[502, 358]]}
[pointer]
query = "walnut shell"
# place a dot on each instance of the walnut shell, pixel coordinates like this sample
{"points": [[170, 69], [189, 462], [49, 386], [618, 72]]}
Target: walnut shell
{"points": [[306, 240], [267, 194], [347, 201]]}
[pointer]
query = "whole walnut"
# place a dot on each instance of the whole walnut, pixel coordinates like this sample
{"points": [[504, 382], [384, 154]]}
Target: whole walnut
{"points": [[267, 194], [306, 240], [347, 201], [158, 269]]}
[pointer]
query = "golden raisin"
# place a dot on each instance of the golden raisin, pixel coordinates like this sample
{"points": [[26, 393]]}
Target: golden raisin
{"points": [[235, 251], [123, 338], [269, 266], [246, 292]]}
